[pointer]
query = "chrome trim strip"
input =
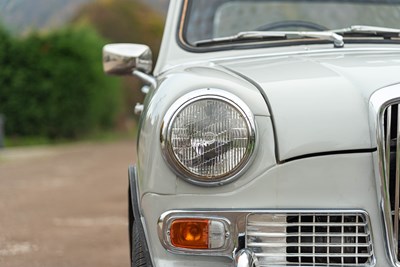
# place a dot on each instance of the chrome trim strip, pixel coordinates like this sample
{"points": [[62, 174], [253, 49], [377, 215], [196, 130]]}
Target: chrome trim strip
{"points": [[237, 223], [380, 101], [182, 21], [184, 101], [397, 189], [387, 147], [166, 241], [397, 158]]}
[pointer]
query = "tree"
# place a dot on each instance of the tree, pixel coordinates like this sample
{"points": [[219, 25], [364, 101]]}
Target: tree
{"points": [[53, 85]]}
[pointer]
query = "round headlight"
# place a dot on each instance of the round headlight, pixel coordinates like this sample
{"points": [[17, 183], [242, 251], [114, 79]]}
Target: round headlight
{"points": [[208, 136]]}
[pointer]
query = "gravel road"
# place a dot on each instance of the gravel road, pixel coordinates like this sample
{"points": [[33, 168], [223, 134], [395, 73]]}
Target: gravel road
{"points": [[65, 205]]}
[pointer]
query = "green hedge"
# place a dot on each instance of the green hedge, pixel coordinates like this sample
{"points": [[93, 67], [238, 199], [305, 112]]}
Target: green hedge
{"points": [[53, 85]]}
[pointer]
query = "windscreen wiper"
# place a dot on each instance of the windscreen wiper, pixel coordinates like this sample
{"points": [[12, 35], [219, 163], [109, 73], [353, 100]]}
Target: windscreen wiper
{"points": [[378, 31], [331, 35], [262, 35]]}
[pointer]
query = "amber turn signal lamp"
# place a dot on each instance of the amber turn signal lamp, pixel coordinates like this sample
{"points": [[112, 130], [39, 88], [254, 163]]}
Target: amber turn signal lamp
{"points": [[190, 233]]}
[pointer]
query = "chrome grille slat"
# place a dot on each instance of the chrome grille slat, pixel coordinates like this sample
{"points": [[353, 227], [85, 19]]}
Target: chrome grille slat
{"points": [[301, 224], [306, 234], [308, 245], [286, 264], [357, 256], [304, 239], [354, 255]]}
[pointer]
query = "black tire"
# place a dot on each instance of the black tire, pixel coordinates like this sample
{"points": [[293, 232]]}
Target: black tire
{"points": [[130, 221], [138, 258], [140, 254]]}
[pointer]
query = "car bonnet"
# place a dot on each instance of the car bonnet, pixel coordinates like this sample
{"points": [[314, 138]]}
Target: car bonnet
{"points": [[320, 102]]}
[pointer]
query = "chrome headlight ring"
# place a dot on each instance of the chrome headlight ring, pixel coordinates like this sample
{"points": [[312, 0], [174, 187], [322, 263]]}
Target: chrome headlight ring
{"points": [[208, 137]]}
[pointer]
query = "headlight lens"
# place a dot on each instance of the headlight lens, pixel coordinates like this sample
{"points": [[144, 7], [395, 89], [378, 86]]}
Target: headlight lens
{"points": [[210, 137]]}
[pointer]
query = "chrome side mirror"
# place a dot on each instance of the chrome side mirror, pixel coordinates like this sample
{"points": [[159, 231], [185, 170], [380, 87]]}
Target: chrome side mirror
{"points": [[123, 59]]}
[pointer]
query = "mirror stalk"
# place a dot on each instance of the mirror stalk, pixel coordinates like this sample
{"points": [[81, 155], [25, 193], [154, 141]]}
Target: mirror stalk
{"points": [[146, 78]]}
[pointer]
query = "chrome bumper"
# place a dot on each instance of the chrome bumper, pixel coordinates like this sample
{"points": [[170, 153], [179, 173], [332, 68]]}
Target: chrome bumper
{"points": [[246, 258]]}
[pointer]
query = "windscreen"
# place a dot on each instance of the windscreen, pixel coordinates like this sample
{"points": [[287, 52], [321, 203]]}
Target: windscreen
{"points": [[219, 18]]}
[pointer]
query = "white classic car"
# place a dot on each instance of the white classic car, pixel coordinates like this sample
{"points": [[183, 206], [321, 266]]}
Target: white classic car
{"points": [[269, 135]]}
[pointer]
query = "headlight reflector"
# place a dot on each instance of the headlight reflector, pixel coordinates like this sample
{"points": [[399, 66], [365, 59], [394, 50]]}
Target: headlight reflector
{"points": [[209, 137]]}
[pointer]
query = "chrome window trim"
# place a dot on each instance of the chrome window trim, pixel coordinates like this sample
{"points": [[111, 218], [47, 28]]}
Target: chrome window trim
{"points": [[380, 100], [187, 99], [237, 223], [181, 24]]}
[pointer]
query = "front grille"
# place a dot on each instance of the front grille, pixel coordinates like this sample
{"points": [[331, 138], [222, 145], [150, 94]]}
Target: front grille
{"points": [[303, 239], [389, 146]]}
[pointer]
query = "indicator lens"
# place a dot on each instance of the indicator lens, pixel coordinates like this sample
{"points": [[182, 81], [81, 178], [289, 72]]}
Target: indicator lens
{"points": [[190, 233]]}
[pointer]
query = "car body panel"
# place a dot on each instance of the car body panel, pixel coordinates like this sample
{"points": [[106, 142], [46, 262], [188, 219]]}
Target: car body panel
{"points": [[320, 101], [155, 176], [339, 181]]}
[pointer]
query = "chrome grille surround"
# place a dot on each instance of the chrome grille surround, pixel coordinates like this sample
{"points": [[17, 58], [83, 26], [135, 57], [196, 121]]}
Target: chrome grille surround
{"points": [[386, 116], [304, 239]]}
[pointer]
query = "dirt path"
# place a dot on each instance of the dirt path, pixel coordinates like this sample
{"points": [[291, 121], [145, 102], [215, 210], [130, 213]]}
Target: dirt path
{"points": [[65, 206]]}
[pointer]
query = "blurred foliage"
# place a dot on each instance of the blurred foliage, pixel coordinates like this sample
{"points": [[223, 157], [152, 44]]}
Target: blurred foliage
{"points": [[125, 21], [52, 85]]}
